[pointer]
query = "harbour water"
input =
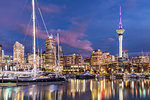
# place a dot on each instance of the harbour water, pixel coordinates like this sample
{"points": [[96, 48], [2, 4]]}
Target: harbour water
{"points": [[75, 89]]}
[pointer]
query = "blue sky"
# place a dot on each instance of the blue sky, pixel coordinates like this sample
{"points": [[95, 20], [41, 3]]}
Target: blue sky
{"points": [[84, 25]]}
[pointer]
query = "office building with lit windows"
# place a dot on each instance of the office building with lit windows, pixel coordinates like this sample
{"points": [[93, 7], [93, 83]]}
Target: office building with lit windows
{"points": [[18, 53], [50, 51], [96, 57]]}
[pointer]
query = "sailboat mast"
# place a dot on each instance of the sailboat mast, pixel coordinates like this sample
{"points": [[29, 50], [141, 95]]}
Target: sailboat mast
{"points": [[58, 52], [34, 55], [41, 58]]}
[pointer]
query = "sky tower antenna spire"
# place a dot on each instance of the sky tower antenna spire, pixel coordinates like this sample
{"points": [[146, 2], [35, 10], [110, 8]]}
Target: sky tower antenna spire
{"points": [[120, 23]]}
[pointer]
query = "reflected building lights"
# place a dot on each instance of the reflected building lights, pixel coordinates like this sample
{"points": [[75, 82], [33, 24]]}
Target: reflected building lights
{"points": [[22, 95], [144, 93], [112, 84], [77, 85], [142, 85], [122, 84], [104, 84], [101, 85], [120, 92], [91, 85], [126, 83], [132, 84], [140, 93], [96, 90], [99, 92]]}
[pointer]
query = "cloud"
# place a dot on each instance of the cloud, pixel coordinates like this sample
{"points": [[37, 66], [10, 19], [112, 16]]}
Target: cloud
{"points": [[52, 8], [72, 38], [78, 26], [28, 30], [108, 40], [69, 37]]}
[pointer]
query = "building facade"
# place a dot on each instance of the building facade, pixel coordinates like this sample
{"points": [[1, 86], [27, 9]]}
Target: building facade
{"points": [[50, 51], [72, 62], [107, 58], [87, 63], [125, 53], [30, 60], [18, 53], [139, 59], [96, 57]]}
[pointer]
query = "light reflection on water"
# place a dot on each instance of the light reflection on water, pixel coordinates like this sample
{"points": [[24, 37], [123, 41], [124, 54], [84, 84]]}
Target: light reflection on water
{"points": [[76, 89]]}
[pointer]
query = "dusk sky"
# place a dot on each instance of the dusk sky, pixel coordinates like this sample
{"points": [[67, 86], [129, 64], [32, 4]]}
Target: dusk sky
{"points": [[84, 25]]}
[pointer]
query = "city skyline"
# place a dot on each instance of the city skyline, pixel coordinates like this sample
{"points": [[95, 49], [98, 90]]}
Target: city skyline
{"points": [[86, 29], [74, 50]]}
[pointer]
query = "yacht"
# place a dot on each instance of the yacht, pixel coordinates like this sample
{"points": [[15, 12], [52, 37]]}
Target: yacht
{"points": [[85, 75]]}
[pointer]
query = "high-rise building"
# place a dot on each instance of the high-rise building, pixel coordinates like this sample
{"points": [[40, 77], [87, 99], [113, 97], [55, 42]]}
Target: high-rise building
{"points": [[18, 52], [120, 32], [72, 62], [96, 57], [50, 51]]}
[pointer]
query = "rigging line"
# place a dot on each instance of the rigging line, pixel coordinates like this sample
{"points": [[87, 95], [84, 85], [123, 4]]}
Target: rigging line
{"points": [[27, 28], [20, 13], [25, 4], [42, 18], [37, 32], [22, 10], [43, 21]]}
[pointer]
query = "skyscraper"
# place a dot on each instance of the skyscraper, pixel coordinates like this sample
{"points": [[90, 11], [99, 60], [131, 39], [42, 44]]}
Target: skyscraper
{"points": [[50, 51], [18, 52], [120, 32]]}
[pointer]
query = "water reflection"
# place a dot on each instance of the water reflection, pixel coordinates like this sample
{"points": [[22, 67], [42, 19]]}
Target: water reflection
{"points": [[80, 89]]}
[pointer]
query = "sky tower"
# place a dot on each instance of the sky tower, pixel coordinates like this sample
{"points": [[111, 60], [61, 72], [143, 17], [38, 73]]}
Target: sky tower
{"points": [[120, 32]]}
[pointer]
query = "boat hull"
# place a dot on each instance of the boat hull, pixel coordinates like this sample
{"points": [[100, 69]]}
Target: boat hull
{"points": [[31, 80]]}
